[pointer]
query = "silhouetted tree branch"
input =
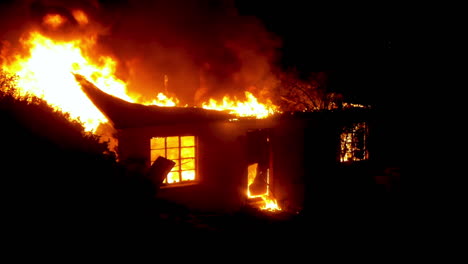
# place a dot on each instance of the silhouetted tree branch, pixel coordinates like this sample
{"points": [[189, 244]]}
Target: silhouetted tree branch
{"points": [[307, 95]]}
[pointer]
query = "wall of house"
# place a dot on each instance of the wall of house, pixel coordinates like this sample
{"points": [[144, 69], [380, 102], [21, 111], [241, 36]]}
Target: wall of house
{"points": [[303, 154], [288, 164], [322, 142], [332, 186], [221, 163]]}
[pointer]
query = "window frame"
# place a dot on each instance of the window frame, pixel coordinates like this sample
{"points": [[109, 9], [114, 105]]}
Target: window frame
{"points": [[179, 159], [352, 131]]}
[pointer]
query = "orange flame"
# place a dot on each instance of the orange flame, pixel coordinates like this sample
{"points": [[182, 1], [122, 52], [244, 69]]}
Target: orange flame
{"points": [[53, 20], [47, 70], [163, 100], [80, 17], [270, 203], [47, 73], [250, 107]]}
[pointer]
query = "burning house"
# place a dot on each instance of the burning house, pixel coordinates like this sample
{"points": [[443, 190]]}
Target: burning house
{"points": [[223, 162], [220, 161]]}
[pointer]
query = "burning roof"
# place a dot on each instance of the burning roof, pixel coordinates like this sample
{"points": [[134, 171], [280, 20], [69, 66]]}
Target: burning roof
{"points": [[124, 114], [217, 60]]}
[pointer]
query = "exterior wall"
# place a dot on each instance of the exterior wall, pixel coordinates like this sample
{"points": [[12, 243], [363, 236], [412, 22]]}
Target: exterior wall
{"points": [[288, 164], [322, 144], [304, 154], [221, 163]]}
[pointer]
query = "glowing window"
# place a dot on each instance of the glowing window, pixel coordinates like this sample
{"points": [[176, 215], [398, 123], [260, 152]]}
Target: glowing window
{"points": [[354, 143], [181, 150]]}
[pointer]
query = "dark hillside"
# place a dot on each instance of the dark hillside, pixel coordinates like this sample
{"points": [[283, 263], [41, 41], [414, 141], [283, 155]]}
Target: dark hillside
{"points": [[58, 179]]}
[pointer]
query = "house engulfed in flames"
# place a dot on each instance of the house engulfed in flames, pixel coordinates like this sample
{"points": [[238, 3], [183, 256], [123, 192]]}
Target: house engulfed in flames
{"points": [[223, 162]]}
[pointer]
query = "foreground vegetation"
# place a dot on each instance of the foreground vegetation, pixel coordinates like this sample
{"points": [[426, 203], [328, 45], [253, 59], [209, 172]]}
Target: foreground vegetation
{"points": [[59, 179]]}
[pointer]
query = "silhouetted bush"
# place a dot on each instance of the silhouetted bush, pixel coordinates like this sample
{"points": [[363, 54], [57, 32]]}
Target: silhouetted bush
{"points": [[57, 176]]}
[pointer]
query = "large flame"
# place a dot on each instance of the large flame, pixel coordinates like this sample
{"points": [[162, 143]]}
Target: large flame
{"points": [[250, 107], [47, 70], [47, 73]]}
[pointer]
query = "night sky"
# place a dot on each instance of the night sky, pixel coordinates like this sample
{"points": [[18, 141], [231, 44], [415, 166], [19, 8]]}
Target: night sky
{"points": [[352, 43]]}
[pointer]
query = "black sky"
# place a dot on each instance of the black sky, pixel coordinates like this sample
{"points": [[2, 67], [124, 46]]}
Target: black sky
{"points": [[354, 44], [349, 41]]}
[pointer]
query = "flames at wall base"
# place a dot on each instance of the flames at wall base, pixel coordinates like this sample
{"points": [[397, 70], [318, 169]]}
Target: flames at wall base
{"points": [[269, 202]]}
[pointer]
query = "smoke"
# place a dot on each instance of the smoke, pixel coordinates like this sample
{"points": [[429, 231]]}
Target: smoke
{"points": [[191, 49], [205, 48]]}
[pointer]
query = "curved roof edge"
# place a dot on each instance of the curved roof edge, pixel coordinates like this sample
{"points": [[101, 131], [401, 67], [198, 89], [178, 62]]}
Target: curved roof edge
{"points": [[123, 114]]}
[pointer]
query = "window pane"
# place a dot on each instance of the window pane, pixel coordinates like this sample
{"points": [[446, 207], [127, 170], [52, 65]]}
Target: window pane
{"points": [[173, 177], [153, 157], [172, 142], [188, 164], [157, 143], [188, 175], [155, 153], [176, 166], [187, 152], [187, 141], [173, 153]]}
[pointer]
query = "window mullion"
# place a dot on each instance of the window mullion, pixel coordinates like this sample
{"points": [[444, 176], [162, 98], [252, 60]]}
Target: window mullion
{"points": [[180, 159], [165, 155]]}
